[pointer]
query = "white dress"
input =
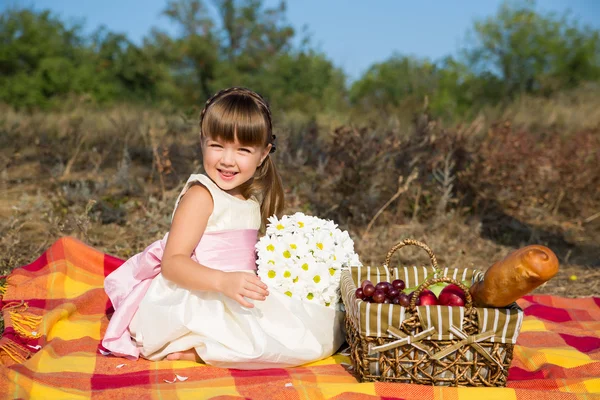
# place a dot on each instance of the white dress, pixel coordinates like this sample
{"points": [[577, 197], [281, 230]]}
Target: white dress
{"points": [[277, 332]]}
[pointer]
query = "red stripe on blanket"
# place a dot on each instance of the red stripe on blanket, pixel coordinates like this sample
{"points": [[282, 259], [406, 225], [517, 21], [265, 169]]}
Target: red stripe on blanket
{"points": [[585, 344], [547, 313], [42, 304], [249, 374], [38, 264], [111, 263], [103, 381], [519, 374], [9, 333]]}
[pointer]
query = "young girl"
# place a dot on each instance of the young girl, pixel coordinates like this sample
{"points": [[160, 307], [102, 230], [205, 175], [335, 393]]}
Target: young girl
{"points": [[194, 295]]}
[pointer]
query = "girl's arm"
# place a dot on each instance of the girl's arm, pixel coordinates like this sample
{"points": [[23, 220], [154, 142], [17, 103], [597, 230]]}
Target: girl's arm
{"points": [[187, 228]]}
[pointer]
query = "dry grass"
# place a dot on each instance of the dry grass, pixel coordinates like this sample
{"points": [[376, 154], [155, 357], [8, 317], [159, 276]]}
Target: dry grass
{"points": [[569, 111], [111, 178]]}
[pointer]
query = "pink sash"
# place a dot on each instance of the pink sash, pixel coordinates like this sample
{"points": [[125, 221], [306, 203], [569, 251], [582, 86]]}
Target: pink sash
{"points": [[127, 285]]}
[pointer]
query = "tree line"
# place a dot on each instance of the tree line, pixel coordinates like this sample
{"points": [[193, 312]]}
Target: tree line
{"points": [[45, 61]]}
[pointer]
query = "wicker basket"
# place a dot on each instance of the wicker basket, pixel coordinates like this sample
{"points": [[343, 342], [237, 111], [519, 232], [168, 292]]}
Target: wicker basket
{"points": [[430, 345]]}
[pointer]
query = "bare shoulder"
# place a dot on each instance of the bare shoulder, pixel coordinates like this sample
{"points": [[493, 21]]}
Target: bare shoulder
{"points": [[197, 202], [189, 221], [196, 195]]}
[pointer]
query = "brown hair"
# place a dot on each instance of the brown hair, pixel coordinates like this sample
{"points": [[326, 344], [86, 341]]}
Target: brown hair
{"points": [[240, 113]]}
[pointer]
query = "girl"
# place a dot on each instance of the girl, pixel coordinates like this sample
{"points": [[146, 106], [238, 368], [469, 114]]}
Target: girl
{"points": [[194, 295]]}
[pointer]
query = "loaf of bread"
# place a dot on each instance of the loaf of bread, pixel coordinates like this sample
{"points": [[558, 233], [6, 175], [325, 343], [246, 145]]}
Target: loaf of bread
{"points": [[513, 277]]}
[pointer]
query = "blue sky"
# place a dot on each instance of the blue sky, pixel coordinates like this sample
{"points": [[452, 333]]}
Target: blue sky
{"points": [[353, 33]]}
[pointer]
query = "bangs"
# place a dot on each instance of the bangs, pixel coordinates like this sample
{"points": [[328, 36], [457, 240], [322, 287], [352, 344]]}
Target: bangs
{"points": [[236, 117]]}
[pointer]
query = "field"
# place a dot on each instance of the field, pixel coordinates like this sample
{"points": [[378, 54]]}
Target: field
{"points": [[472, 191]]}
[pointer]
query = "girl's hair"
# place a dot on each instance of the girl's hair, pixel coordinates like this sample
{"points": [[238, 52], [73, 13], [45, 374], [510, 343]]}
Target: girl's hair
{"points": [[240, 113]]}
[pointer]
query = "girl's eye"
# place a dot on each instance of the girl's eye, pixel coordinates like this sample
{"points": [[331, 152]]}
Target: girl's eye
{"points": [[215, 145], [244, 150]]}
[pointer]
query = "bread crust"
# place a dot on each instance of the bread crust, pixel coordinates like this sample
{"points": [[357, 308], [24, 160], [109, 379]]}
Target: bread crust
{"points": [[517, 274]]}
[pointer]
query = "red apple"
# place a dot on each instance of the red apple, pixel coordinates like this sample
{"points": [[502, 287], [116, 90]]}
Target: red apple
{"points": [[428, 299], [451, 299], [454, 289]]}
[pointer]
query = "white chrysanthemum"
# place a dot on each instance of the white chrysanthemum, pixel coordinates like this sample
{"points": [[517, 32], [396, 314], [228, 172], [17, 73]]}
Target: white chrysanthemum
{"points": [[303, 223], [321, 279], [307, 266], [288, 273], [285, 249], [289, 288], [271, 274], [322, 245], [296, 244], [267, 246], [309, 293], [273, 227], [334, 273]]}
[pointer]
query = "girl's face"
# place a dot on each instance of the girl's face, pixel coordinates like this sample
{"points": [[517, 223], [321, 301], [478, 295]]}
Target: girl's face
{"points": [[230, 164]]}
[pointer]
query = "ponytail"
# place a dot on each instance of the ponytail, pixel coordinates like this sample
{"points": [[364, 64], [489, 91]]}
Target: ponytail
{"points": [[267, 186]]}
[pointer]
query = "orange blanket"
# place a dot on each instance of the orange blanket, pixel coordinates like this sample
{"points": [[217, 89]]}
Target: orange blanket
{"points": [[55, 313]]}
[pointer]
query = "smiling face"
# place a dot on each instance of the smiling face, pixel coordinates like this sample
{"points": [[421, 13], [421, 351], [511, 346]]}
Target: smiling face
{"points": [[231, 164], [235, 138]]}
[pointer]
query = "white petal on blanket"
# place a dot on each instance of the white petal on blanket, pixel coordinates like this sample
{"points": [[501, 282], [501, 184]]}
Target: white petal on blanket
{"points": [[121, 365], [104, 353], [181, 378], [173, 381], [37, 347]]}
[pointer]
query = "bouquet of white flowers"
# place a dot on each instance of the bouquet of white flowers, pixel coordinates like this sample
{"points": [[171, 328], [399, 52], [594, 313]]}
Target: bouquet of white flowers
{"points": [[303, 256]]}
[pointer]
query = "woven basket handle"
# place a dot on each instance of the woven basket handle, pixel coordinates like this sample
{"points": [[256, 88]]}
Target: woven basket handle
{"points": [[411, 242], [468, 299]]}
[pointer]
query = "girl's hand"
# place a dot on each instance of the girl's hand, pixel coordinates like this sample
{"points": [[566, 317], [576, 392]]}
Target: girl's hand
{"points": [[238, 285]]}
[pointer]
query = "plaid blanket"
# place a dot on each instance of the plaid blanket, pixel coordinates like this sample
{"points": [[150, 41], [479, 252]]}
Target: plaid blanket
{"points": [[55, 314]]}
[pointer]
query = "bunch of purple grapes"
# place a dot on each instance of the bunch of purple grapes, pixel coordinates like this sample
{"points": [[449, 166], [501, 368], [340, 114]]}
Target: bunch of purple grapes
{"points": [[383, 292]]}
